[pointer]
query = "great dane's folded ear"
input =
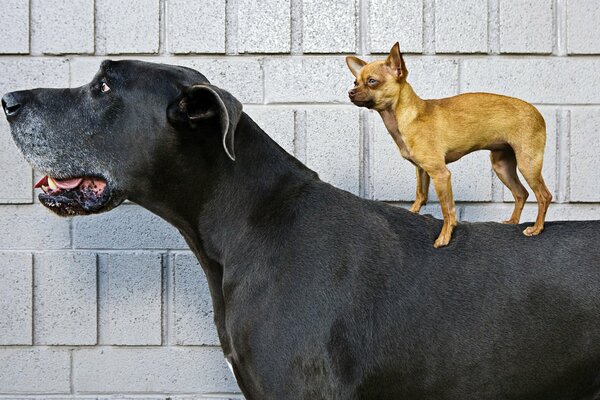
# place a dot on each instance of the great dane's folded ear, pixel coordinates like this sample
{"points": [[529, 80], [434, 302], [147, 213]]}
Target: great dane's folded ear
{"points": [[202, 102]]}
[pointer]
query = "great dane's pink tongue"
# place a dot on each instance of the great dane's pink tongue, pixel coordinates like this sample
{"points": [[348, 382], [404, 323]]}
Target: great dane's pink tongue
{"points": [[68, 183], [61, 183]]}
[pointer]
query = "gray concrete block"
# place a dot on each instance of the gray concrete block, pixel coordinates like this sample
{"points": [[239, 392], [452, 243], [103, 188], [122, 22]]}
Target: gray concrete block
{"points": [[18, 74], [193, 311], [62, 26], [329, 27], [393, 178], [461, 26], [583, 27], [471, 178], [333, 145], [432, 77], [32, 227], [127, 27], [526, 26], [306, 80], [83, 69], [15, 171], [584, 160], [152, 370], [391, 21], [16, 280], [196, 26], [14, 27], [27, 73], [130, 302], [278, 123], [241, 76], [536, 80], [65, 298], [549, 169], [35, 370], [127, 227], [264, 26]]}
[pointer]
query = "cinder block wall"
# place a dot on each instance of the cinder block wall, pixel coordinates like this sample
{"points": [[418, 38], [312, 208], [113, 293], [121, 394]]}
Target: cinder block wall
{"points": [[116, 304]]}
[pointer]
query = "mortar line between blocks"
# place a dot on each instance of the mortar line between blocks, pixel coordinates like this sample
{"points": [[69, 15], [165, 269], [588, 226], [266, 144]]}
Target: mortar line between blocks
{"points": [[231, 27], [167, 293], [29, 27], [101, 285], [458, 77], [428, 27], [162, 26], [363, 27], [93, 33], [33, 296], [31, 342], [566, 156], [560, 28], [99, 39], [369, 156], [71, 241], [493, 30], [263, 75], [300, 135], [97, 260], [363, 156], [296, 27], [71, 383]]}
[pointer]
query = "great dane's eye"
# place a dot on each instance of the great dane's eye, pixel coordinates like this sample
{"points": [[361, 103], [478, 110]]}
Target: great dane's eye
{"points": [[372, 81], [104, 87]]}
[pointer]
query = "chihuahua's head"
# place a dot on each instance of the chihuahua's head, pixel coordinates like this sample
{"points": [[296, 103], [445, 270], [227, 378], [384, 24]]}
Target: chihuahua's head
{"points": [[377, 83]]}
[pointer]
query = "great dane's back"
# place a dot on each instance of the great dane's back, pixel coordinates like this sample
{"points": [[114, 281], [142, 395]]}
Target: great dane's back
{"points": [[319, 294]]}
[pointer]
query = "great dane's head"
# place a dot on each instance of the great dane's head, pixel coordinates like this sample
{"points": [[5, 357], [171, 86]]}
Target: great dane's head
{"points": [[99, 143]]}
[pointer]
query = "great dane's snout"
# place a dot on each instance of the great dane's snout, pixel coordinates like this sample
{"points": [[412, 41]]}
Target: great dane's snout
{"points": [[11, 103]]}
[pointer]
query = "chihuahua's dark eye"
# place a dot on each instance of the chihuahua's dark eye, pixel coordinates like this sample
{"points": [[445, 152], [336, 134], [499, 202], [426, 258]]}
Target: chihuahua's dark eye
{"points": [[372, 81], [104, 87], [355, 83]]}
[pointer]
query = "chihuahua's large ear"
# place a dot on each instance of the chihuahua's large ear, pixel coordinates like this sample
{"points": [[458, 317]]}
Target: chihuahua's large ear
{"points": [[202, 102], [396, 62], [355, 64]]}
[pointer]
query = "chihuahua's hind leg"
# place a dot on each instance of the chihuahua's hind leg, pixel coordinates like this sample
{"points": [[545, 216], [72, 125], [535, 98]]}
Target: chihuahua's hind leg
{"points": [[531, 169], [504, 164], [422, 190]]}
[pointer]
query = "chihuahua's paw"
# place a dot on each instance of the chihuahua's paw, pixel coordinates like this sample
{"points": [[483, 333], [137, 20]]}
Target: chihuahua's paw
{"points": [[533, 230], [415, 209], [441, 241], [511, 221]]}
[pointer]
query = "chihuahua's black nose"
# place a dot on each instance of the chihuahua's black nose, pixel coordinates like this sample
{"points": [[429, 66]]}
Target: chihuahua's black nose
{"points": [[11, 104], [351, 93]]}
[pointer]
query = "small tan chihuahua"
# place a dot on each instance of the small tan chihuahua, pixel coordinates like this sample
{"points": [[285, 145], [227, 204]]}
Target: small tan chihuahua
{"points": [[433, 133]]}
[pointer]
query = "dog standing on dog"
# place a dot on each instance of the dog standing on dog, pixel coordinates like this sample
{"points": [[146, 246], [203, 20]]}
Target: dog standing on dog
{"points": [[319, 294], [433, 133]]}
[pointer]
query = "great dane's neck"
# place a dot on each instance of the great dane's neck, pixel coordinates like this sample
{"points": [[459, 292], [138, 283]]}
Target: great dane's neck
{"points": [[227, 201]]}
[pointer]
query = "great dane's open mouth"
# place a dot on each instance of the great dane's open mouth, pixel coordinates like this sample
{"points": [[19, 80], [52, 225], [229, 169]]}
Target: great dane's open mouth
{"points": [[74, 196]]}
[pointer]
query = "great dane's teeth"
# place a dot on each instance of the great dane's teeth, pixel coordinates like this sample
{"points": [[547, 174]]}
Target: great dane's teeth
{"points": [[52, 184]]}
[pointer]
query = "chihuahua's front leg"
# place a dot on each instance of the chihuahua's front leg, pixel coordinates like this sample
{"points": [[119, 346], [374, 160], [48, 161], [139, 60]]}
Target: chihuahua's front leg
{"points": [[443, 188], [422, 190]]}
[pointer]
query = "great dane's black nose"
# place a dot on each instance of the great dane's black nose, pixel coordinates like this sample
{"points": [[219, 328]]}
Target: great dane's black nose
{"points": [[11, 104]]}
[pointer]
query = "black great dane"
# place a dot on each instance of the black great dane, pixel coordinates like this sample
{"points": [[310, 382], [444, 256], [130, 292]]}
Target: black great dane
{"points": [[319, 294]]}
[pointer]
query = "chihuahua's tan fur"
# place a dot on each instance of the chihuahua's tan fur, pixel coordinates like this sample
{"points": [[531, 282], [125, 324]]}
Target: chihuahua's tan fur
{"points": [[433, 133]]}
